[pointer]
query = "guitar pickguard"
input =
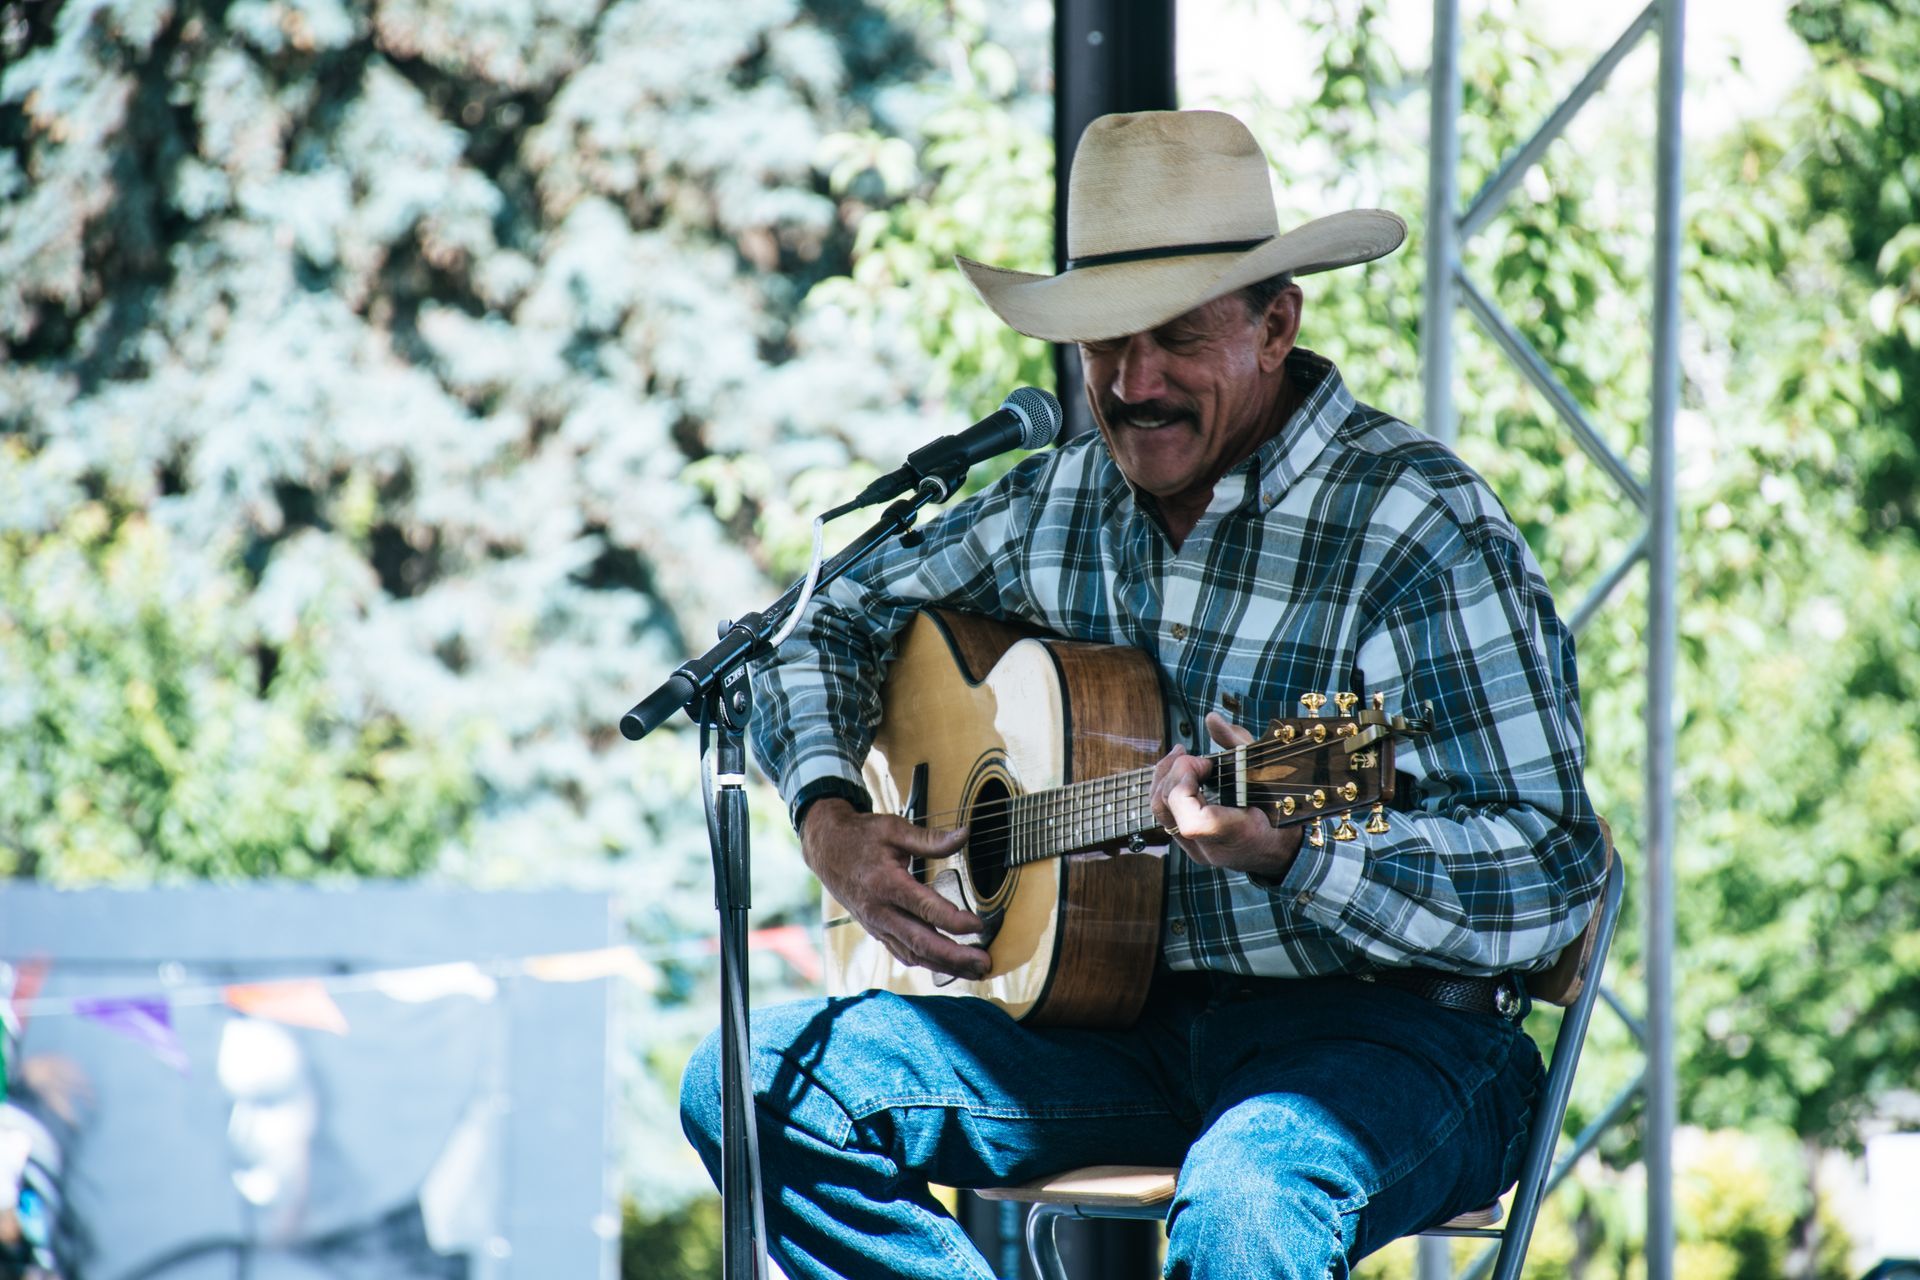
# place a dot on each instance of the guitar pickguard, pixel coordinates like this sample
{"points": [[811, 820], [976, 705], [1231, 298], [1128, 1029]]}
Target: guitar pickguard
{"points": [[948, 884]]}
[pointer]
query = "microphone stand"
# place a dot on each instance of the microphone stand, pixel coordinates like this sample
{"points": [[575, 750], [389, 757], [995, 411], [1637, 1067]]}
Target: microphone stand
{"points": [[716, 690]]}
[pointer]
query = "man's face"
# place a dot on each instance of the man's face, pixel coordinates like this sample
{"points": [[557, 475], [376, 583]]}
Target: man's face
{"points": [[1182, 403]]}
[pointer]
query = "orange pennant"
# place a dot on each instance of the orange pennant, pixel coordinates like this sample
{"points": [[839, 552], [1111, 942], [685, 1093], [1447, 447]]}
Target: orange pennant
{"points": [[792, 943], [300, 1002], [584, 966], [28, 975]]}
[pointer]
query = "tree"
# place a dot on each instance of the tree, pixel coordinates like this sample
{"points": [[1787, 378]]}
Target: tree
{"points": [[372, 379]]}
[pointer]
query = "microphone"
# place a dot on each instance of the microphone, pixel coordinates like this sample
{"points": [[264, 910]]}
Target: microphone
{"points": [[1027, 419]]}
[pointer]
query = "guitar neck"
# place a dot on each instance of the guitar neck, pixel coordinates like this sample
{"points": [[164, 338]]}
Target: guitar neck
{"points": [[1098, 813]]}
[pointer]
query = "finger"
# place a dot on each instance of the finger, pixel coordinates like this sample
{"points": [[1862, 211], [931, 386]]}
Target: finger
{"points": [[1166, 762], [1192, 816], [1225, 733], [911, 837], [1187, 773], [1162, 779], [914, 943], [938, 911], [890, 884], [934, 843]]}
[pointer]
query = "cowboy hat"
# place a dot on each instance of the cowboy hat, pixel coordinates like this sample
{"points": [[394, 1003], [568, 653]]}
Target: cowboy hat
{"points": [[1168, 210]]}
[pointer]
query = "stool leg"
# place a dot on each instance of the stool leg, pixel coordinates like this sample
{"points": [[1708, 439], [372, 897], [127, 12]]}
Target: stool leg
{"points": [[1042, 1247]]}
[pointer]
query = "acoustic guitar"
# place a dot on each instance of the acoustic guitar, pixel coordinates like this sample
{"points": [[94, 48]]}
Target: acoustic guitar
{"points": [[1045, 748]]}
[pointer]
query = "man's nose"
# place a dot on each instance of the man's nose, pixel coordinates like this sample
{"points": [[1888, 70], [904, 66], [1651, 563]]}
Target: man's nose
{"points": [[1139, 374]]}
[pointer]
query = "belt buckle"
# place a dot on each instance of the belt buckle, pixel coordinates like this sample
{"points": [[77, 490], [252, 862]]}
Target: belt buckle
{"points": [[1506, 1000]]}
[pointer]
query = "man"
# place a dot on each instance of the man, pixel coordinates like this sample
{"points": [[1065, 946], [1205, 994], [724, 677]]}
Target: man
{"points": [[1259, 533]]}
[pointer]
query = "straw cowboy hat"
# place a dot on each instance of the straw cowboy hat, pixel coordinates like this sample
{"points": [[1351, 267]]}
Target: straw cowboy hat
{"points": [[1168, 210]]}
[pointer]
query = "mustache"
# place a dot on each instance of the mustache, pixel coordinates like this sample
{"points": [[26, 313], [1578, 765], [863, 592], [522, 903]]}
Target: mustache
{"points": [[1121, 413]]}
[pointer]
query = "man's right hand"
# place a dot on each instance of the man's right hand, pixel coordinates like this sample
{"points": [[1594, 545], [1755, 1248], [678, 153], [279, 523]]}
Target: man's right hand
{"points": [[862, 860]]}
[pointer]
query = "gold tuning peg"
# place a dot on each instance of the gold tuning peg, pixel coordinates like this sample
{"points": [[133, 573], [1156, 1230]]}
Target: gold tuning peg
{"points": [[1313, 702], [1377, 824], [1316, 834], [1346, 830], [1346, 702]]}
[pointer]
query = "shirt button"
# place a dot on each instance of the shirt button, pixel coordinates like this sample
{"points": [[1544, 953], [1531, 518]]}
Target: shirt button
{"points": [[1178, 926], [1304, 900], [1186, 728], [1179, 631], [1269, 497]]}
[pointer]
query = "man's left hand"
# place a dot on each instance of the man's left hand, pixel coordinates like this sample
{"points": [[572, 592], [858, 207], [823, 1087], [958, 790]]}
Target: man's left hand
{"points": [[1218, 835]]}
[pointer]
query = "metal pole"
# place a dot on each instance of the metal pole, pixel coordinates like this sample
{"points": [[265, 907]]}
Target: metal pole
{"points": [[1662, 1105], [1108, 55], [1492, 196], [1434, 1259], [1443, 202]]}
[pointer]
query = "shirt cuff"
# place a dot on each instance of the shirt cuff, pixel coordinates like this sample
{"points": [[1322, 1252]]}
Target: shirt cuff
{"points": [[823, 787], [1326, 877]]}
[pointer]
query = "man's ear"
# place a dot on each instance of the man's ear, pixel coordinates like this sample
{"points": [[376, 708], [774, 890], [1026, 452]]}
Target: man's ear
{"points": [[1280, 328]]}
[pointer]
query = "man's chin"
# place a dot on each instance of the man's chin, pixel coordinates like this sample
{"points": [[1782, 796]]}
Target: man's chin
{"points": [[1161, 482]]}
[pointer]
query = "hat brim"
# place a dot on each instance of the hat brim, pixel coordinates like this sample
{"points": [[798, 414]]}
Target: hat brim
{"points": [[1092, 304]]}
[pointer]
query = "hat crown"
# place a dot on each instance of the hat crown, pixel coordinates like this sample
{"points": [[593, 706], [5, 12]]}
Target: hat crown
{"points": [[1160, 179]]}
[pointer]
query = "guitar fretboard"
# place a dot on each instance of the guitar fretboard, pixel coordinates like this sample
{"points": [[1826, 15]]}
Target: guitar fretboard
{"points": [[1100, 812]]}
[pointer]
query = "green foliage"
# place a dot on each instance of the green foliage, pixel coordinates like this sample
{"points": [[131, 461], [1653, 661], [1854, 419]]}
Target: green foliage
{"points": [[1865, 138], [1740, 1198], [351, 360], [152, 733], [671, 1246]]}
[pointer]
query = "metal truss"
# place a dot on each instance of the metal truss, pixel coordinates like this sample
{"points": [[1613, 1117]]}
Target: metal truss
{"points": [[1448, 287]]}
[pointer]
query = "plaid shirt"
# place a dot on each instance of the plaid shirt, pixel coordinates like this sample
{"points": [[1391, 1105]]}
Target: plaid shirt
{"points": [[1349, 552]]}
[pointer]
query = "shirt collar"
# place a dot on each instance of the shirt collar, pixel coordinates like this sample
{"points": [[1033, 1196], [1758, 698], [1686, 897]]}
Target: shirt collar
{"points": [[1325, 404]]}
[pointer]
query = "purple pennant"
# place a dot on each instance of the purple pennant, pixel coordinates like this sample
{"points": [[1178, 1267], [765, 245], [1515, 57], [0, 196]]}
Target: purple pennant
{"points": [[147, 1019]]}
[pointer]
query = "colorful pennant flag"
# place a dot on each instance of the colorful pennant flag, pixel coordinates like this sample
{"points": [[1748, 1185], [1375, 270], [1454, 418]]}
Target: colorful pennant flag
{"points": [[434, 982], [584, 966], [309, 1002], [28, 975], [794, 944], [145, 1019], [298, 1002]]}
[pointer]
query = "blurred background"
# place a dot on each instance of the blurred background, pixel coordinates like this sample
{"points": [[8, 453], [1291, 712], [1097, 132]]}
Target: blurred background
{"points": [[392, 391]]}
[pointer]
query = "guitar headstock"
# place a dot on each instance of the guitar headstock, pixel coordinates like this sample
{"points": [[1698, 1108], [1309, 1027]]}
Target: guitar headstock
{"points": [[1306, 769]]}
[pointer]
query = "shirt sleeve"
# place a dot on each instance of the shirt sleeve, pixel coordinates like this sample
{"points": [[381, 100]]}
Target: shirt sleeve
{"points": [[1501, 861], [819, 695]]}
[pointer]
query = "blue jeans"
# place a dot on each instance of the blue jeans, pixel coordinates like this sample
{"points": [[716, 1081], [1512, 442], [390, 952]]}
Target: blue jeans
{"points": [[1313, 1120]]}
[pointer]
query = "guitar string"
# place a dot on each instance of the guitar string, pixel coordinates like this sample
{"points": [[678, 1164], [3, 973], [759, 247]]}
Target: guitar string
{"points": [[1049, 808], [1263, 752]]}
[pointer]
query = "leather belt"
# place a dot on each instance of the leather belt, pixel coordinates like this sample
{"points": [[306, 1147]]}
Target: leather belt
{"points": [[1503, 996]]}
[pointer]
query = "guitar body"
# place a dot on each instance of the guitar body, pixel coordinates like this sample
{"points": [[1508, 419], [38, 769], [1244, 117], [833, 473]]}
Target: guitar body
{"points": [[974, 712]]}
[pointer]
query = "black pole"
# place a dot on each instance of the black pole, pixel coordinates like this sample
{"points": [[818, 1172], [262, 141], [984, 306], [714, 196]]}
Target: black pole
{"points": [[743, 1228], [1108, 55], [716, 689]]}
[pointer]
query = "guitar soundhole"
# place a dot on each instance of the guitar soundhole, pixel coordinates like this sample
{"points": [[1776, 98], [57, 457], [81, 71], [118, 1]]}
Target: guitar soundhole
{"points": [[988, 840]]}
